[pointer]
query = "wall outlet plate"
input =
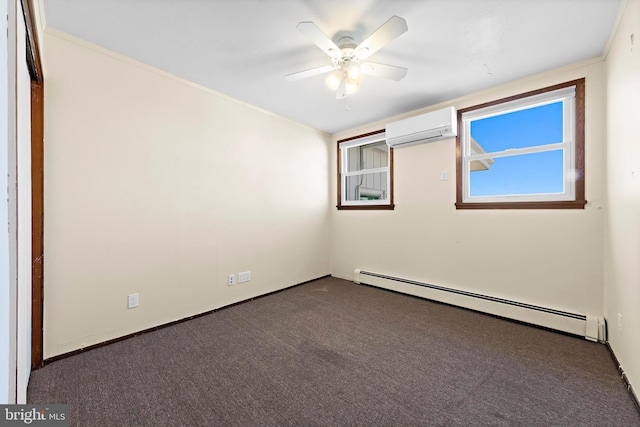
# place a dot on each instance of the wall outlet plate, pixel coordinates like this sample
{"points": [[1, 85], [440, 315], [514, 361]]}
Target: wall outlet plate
{"points": [[133, 300], [231, 280], [244, 276], [620, 323]]}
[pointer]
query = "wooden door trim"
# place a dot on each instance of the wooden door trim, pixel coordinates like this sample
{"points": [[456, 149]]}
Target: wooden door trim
{"points": [[37, 183], [37, 223]]}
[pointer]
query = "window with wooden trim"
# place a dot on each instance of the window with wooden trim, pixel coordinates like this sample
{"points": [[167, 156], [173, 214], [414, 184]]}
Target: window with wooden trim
{"points": [[365, 172], [523, 152]]}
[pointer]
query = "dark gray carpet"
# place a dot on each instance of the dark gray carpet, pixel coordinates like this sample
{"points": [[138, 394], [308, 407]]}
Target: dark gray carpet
{"points": [[332, 353]]}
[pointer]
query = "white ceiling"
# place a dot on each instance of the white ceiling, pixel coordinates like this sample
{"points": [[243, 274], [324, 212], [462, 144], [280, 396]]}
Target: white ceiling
{"points": [[244, 48]]}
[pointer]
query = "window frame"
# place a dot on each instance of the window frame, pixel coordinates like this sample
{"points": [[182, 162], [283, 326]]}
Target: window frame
{"points": [[379, 135], [576, 200]]}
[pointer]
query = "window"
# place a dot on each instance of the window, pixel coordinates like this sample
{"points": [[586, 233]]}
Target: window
{"points": [[365, 172], [526, 151]]}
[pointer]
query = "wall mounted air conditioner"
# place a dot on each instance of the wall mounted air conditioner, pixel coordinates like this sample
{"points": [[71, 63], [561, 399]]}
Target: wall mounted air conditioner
{"points": [[433, 126]]}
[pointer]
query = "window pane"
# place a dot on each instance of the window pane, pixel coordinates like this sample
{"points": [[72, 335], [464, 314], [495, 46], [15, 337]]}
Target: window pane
{"points": [[533, 173], [370, 156], [368, 186], [526, 128]]}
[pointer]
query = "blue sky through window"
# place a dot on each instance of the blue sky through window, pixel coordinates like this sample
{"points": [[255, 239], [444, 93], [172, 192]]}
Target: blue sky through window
{"points": [[531, 173]]}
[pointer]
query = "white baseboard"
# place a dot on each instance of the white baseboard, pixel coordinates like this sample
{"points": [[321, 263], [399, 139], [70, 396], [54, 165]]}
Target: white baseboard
{"points": [[589, 326]]}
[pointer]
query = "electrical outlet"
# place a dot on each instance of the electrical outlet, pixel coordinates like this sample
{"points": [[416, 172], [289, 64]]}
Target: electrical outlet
{"points": [[444, 175], [231, 280], [244, 276], [620, 323], [132, 300]]}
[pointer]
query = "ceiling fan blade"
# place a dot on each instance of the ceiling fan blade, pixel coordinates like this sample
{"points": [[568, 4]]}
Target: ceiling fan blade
{"points": [[309, 73], [388, 31], [383, 70], [320, 39]]}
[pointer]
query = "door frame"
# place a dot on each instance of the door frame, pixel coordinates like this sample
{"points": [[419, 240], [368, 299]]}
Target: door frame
{"points": [[37, 183]]}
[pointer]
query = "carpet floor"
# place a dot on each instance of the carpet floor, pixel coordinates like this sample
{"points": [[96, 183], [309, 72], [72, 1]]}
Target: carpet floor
{"points": [[333, 353]]}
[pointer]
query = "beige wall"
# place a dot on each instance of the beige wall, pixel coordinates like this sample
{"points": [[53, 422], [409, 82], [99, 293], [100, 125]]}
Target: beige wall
{"points": [[157, 186], [551, 258], [622, 223]]}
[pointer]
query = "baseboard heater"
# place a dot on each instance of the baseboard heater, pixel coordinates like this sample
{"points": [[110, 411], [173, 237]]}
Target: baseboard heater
{"points": [[591, 327]]}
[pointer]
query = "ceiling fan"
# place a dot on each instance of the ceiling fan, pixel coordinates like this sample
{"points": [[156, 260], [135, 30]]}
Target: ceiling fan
{"points": [[347, 68]]}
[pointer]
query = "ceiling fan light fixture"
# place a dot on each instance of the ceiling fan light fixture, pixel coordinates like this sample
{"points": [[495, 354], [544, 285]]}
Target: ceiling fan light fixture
{"points": [[351, 87], [354, 73], [333, 79]]}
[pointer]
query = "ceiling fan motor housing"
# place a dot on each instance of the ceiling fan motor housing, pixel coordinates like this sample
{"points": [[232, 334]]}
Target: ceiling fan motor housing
{"points": [[346, 53]]}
